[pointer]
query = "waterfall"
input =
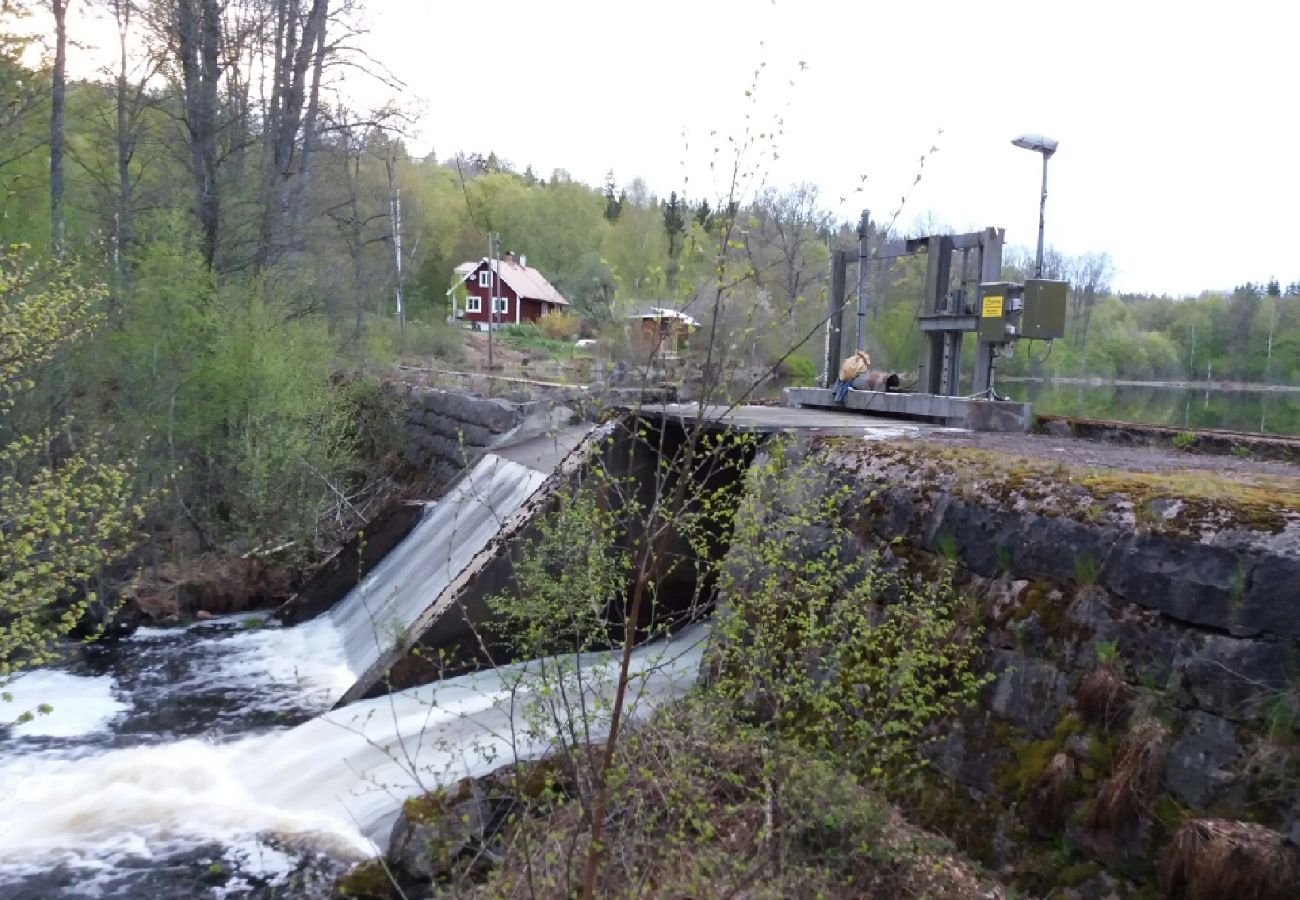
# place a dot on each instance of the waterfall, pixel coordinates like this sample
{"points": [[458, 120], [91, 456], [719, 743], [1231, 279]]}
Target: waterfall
{"points": [[449, 534]]}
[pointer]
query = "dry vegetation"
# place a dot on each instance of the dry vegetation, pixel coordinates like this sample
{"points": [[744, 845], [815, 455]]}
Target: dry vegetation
{"points": [[1214, 859], [708, 807]]}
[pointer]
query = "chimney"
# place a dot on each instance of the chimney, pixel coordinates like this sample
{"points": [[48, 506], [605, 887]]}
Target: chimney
{"points": [[523, 261], [510, 257]]}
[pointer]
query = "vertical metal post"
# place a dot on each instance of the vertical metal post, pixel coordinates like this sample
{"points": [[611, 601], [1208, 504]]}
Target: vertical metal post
{"points": [[835, 315], [990, 270], [937, 273], [492, 291], [861, 336], [1042, 211]]}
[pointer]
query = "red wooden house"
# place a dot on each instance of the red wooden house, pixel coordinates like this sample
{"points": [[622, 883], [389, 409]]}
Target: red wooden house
{"points": [[505, 293]]}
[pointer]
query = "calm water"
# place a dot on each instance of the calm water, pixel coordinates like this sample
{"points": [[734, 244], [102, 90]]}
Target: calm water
{"points": [[1270, 412]]}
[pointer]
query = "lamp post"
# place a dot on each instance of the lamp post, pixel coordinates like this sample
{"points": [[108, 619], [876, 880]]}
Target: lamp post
{"points": [[1046, 146]]}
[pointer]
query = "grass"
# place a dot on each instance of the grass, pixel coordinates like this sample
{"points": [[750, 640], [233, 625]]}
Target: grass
{"points": [[1261, 503], [529, 338]]}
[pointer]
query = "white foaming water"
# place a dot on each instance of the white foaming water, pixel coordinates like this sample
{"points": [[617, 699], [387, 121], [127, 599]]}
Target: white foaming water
{"points": [[80, 705], [308, 659], [450, 533], [334, 783], [337, 780]]}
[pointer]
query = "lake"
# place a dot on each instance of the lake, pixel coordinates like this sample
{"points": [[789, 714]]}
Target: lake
{"points": [[1270, 412]]}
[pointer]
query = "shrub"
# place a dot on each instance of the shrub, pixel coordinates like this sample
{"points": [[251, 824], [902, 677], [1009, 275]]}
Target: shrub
{"points": [[709, 806], [799, 370], [559, 326], [827, 645]]}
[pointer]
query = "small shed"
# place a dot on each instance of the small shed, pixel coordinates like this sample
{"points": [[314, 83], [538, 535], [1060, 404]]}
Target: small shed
{"points": [[668, 330]]}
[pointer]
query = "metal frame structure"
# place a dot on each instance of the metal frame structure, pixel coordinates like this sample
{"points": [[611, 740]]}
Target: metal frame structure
{"points": [[946, 314]]}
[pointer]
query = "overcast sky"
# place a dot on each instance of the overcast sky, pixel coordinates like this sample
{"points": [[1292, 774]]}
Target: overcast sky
{"points": [[1177, 123], [1179, 137]]}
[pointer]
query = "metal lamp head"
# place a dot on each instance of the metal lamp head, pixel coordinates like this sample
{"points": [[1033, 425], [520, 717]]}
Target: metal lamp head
{"points": [[1037, 143]]}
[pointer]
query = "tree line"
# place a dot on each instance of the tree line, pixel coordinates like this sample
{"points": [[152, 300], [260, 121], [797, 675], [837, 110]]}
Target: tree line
{"points": [[245, 231]]}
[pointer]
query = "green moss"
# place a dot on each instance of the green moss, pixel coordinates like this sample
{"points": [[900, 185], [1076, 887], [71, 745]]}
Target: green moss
{"points": [[1166, 811], [1067, 727], [1040, 599], [972, 824], [368, 881], [1261, 503], [1030, 761], [1076, 874], [1101, 749], [436, 803]]}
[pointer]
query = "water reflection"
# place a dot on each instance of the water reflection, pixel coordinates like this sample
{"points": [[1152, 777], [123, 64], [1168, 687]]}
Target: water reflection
{"points": [[1269, 412]]}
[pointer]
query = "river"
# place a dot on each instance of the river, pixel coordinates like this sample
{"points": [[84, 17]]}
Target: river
{"points": [[205, 761]]}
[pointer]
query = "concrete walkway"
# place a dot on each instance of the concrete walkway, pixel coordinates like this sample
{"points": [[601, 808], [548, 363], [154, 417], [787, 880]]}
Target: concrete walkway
{"points": [[775, 419]]}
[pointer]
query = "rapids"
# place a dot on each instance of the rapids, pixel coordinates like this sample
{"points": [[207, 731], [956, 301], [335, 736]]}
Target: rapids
{"points": [[205, 761]]}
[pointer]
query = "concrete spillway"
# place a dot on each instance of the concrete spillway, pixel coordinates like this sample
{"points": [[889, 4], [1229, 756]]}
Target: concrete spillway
{"points": [[376, 616], [456, 540]]}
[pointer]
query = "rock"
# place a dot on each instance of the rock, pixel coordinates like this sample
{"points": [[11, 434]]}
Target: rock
{"points": [[1197, 765], [1058, 428], [1184, 580], [367, 881], [1058, 549], [1026, 692], [203, 615], [978, 535], [1234, 677], [434, 830], [1271, 604]]}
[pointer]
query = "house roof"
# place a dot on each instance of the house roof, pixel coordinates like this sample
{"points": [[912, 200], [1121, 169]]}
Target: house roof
{"points": [[661, 312], [524, 280]]}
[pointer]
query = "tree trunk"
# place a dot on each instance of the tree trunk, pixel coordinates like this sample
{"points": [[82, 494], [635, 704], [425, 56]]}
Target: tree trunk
{"points": [[58, 91], [295, 49], [298, 200], [125, 145], [198, 26]]}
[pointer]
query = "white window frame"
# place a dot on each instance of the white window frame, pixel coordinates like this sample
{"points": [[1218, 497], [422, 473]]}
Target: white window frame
{"points": [[500, 305], [485, 278], [473, 304]]}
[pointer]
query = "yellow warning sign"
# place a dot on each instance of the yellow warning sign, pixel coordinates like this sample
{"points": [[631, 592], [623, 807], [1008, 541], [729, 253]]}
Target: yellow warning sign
{"points": [[992, 308]]}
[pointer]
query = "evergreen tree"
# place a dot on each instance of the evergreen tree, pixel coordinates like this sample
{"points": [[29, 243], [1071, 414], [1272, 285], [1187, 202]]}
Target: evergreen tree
{"points": [[674, 224], [613, 200]]}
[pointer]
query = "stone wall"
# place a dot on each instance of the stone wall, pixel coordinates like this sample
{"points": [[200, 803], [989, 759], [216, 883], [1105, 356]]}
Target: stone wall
{"points": [[1144, 638], [445, 431]]}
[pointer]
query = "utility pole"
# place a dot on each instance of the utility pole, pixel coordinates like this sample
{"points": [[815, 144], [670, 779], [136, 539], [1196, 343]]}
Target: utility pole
{"points": [[395, 222], [861, 342], [492, 292]]}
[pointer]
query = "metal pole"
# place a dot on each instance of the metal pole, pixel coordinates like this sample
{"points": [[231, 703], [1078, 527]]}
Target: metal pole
{"points": [[835, 315], [492, 292], [861, 336], [1042, 207]]}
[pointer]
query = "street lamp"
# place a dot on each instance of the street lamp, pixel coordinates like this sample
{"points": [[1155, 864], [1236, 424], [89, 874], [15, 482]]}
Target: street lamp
{"points": [[1046, 146]]}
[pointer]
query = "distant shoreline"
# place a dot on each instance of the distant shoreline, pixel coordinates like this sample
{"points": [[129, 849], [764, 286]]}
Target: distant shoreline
{"points": [[1237, 386]]}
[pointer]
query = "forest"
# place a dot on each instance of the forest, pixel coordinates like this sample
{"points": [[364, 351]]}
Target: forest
{"points": [[207, 242]]}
